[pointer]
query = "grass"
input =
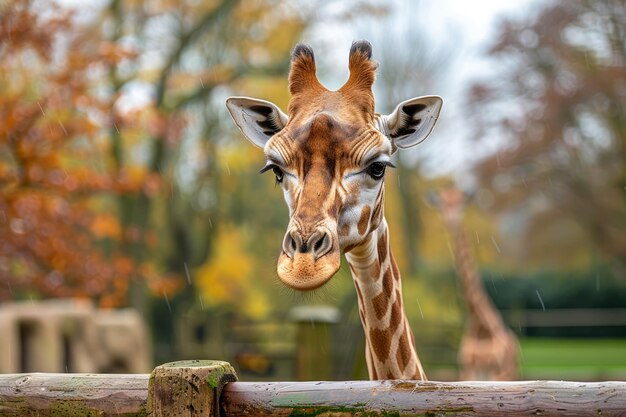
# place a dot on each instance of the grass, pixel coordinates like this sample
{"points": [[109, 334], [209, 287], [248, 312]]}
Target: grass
{"points": [[583, 359]]}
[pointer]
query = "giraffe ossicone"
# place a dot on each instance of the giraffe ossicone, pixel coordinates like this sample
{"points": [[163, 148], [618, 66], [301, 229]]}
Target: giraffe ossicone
{"points": [[329, 154]]}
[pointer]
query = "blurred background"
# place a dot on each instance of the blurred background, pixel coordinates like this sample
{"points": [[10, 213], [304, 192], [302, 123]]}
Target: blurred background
{"points": [[135, 230]]}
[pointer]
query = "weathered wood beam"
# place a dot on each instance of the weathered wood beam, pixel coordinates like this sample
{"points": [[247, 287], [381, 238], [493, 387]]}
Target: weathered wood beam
{"points": [[192, 388], [43, 395], [411, 398]]}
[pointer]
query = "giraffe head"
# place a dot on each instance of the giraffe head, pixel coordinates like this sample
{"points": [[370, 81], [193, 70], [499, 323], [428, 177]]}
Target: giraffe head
{"points": [[451, 203], [329, 155]]}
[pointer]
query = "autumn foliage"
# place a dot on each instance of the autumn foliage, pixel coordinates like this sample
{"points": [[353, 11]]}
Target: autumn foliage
{"points": [[59, 236], [556, 114]]}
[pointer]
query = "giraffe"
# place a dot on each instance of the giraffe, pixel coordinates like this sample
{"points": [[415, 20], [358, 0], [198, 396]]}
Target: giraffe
{"points": [[329, 154], [489, 350]]}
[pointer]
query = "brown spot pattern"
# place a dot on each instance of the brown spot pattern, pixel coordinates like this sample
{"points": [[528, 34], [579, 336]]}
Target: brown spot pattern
{"points": [[418, 375], [364, 220], [382, 300], [382, 247], [396, 314], [375, 270], [344, 230], [388, 282], [380, 341], [380, 304], [403, 356], [348, 249]]}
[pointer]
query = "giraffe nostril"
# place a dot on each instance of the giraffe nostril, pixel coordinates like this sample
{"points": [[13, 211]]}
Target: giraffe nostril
{"points": [[292, 245], [289, 244], [317, 244], [322, 244]]}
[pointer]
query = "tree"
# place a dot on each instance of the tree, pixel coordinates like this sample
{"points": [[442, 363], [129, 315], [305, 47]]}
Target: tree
{"points": [[206, 46], [556, 113], [50, 172]]}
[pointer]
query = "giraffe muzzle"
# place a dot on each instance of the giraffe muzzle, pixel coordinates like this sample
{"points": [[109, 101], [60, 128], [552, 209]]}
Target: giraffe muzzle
{"points": [[308, 261]]}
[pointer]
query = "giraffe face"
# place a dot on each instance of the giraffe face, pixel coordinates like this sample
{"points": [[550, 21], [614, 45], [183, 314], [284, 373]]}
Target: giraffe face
{"points": [[329, 156], [331, 173]]}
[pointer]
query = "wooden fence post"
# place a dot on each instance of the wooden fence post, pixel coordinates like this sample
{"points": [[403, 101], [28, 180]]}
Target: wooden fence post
{"points": [[188, 388], [314, 356]]}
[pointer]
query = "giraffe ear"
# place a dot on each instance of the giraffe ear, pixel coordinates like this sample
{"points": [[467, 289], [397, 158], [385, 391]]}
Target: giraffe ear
{"points": [[412, 121], [258, 120]]}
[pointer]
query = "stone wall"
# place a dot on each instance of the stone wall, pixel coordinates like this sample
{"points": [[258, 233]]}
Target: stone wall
{"points": [[72, 336]]}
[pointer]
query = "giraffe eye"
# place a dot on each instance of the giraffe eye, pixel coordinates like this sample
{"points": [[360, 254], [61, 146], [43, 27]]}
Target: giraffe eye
{"points": [[279, 174], [376, 170], [276, 170]]}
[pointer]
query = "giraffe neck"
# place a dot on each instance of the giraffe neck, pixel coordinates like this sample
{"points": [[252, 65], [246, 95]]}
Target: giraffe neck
{"points": [[482, 313], [390, 346]]}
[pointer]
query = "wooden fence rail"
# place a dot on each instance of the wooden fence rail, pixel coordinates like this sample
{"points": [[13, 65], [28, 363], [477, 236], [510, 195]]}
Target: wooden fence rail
{"points": [[207, 388]]}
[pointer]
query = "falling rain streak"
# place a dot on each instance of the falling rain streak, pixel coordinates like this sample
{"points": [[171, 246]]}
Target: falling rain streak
{"points": [[63, 127], [187, 273], [540, 300], [167, 300], [420, 307], [495, 244], [493, 284]]}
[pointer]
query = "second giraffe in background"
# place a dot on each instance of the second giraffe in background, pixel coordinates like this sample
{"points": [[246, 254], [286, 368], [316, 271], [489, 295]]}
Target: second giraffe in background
{"points": [[489, 349]]}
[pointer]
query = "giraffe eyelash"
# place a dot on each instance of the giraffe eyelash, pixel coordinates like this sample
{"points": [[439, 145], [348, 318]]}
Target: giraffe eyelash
{"points": [[278, 171], [267, 168]]}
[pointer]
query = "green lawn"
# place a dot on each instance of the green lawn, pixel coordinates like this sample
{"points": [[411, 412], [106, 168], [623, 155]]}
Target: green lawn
{"points": [[582, 359]]}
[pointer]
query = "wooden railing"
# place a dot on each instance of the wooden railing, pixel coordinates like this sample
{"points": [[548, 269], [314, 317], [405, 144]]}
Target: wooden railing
{"points": [[208, 388]]}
